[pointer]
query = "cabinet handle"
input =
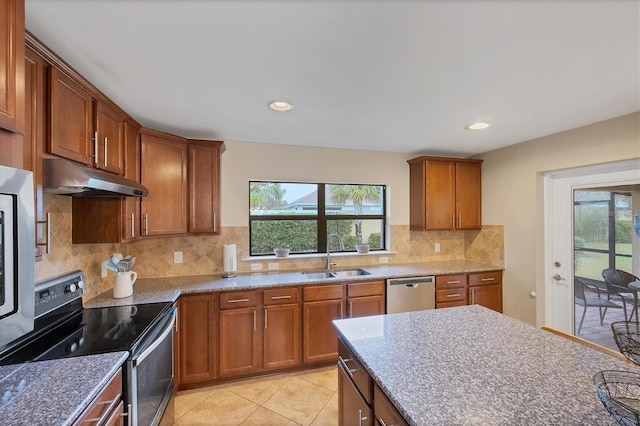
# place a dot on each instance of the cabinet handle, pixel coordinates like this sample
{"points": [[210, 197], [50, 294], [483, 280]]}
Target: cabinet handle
{"points": [[350, 308], [453, 282], [453, 221], [133, 225], [473, 296], [129, 414], [453, 295], [100, 420], [382, 423], [238, 300], [341, 309], [106, 141], [215, 223], [343, 362], [361, 418], [265, 318], [487, 279], [254, 319], [459, 221], [280, 297], [95, 148], [146, 224]]}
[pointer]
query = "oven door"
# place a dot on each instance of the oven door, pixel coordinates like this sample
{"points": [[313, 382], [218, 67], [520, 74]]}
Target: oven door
{"points": [[150, 375]]}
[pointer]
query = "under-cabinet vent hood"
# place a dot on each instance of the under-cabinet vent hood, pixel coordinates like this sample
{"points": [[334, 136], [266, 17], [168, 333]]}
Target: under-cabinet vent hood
{"points": [[65, 177]]}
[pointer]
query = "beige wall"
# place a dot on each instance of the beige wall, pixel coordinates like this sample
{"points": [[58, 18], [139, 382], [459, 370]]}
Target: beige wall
{"points": [[243, 162], [512, 185]]}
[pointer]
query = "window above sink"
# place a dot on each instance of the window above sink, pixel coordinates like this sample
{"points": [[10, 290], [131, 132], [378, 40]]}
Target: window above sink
{"points": [[300, 216]]}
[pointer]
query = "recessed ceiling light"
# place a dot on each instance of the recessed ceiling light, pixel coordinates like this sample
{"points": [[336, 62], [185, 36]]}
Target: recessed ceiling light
{"points": [[478, 126], [280, 106]]}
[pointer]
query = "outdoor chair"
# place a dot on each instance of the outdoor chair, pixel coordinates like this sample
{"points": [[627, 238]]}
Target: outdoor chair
{"points": [[617, 283], [586, 302]]}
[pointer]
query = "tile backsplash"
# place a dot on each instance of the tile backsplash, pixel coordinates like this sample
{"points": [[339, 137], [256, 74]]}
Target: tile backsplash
{"points": [[203, 254]]}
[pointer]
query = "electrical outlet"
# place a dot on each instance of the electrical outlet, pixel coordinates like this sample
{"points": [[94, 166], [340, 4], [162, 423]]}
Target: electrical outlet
{"points": [[103, 272], [383, 259], [256, 266], [436, 247], [273, 266], [177, 257]]}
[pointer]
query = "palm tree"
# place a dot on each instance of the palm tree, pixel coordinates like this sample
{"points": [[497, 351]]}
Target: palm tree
{"points": [[266, 196], [358, 194]]}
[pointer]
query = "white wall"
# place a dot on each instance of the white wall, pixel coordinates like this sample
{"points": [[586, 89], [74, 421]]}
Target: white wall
{"points": [[512, 194], [242, 162]]}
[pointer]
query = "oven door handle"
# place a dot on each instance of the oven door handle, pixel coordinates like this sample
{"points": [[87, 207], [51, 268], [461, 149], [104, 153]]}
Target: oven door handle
{"points": [[168, 329]]}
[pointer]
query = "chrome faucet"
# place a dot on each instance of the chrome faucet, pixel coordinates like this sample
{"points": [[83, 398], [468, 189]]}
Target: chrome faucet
{"points": [[329, 264]]}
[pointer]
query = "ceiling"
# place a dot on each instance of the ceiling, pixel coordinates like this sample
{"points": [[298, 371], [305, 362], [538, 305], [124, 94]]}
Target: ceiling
{"points": [[384, 75]]}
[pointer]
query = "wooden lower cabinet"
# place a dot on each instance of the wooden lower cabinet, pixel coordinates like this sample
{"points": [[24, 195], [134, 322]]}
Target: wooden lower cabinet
{"points": [[239, 341], [281, 336], [364, 299], [107, 405], [352, 408], [485, 288], [384, 411], [451, 290], [322, 304], [197, 324]]}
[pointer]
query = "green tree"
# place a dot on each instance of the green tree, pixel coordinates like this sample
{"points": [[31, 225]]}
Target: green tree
{"points": [[358, 194], [266, 196]]}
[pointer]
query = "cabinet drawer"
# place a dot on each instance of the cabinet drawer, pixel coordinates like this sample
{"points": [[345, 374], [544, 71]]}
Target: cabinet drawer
{"points": [[238, 299], [105, 403], [365, 289], [441, 305], [451, 281], [451, 295], [325, 292], [483, 278], [384, 410], [356, 372], [281, 296]]}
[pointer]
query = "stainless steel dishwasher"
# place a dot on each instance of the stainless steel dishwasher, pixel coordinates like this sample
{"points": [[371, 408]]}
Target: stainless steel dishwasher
{"points": [[410, 294]]}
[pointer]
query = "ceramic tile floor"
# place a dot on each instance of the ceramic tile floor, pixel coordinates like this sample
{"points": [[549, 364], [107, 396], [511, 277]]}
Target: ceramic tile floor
{"points": [[591, 328], [308, 397]]}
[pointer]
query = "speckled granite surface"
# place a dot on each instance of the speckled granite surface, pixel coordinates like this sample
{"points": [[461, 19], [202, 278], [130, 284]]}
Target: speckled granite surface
{"points": [[471, 365], [151, 290], [54, 392]]}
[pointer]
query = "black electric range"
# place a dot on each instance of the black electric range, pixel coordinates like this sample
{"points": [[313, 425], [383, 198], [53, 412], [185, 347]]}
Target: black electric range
{"points": [[63, 328], [70, 330]]}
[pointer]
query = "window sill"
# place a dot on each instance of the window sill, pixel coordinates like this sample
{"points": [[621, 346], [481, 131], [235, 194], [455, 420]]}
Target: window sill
{"points": [[318, 255]]}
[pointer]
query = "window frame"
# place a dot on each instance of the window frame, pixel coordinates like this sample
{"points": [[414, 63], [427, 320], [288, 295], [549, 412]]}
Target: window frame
{"points": [[322, 217]]}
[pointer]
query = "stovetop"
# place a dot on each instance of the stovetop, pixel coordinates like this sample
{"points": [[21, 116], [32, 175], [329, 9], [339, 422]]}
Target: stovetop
{"points": [[65, 329]]}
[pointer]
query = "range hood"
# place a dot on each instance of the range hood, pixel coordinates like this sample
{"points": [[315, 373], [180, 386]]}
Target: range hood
{"points": [[65, 177]]}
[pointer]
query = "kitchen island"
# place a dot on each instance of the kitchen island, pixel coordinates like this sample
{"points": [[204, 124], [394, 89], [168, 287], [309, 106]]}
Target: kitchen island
{"points": [[471, 365]]}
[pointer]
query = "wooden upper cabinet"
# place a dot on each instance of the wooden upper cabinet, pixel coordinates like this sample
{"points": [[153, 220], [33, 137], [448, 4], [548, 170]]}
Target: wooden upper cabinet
{"points": [[108, 139], [444, 193], [12, 65], [164, 173], [70, 118], [131, 213], [204, 187]]}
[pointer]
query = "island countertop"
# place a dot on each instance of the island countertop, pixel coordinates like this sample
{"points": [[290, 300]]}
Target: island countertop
{"points": [[168, 289], [471, 365]]}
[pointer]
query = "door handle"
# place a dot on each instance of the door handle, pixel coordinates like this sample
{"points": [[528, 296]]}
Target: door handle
{"points": [[557, 277]]}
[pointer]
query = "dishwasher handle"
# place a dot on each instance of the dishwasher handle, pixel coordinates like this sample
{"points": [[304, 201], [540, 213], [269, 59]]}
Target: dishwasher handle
{"points": [[410, 281]]}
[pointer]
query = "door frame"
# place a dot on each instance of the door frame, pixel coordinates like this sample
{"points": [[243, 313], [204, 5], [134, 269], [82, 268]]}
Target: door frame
{"points": [[559, 304]]}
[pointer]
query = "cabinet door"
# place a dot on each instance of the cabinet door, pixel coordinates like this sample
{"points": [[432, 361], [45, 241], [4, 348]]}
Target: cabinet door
{"points": [[468, 196], [489, 296], [239, 341], [12, 65], [204, 188], [384, 411], [320, 339], [109, 128], [439, 194], [281, 336], [197, 337], [365, 306], [34, 136], [352, 408], [70, 119], [131, 213], [164, 173]]}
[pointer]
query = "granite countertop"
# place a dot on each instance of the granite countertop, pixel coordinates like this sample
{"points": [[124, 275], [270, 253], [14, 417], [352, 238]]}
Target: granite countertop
{"points": [[54, 392], [168, 289], [471, 365]]}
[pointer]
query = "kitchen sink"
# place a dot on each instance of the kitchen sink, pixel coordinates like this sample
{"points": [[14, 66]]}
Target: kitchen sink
{"points": [[350, 272], [316, 275]]}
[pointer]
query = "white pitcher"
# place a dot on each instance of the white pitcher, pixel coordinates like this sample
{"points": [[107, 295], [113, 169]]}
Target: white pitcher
{"points": [[124, 284]]}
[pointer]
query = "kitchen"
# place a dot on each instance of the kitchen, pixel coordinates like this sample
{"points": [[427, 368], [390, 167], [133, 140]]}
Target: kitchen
{"points": [[510, 192]]}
